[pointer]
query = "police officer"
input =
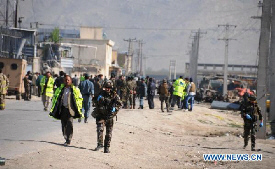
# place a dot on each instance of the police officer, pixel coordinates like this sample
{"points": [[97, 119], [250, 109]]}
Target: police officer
{"points": [[179, 86], [250, 113], [106, 107], [67, 105], [87, 90], [47, 84], [4, 84]]}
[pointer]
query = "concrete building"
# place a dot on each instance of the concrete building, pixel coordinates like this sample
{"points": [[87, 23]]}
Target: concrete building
{"points": [[92, 53]]}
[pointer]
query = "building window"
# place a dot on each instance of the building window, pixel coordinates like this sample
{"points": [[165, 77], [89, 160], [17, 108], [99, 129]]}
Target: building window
{"points": [[14, 66], [1, 65]]}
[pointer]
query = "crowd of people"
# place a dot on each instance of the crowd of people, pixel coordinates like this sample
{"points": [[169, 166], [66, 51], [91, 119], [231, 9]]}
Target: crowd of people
{"points": [[72, 98], [178, 92]]}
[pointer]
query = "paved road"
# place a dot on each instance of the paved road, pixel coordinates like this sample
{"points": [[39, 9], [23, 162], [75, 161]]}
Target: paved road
{"points": [[23, 125]]}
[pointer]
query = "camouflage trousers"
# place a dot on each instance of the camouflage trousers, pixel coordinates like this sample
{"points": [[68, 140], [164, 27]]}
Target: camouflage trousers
{"points": [[249, 129], [124, 98], [2, 101], [27, 93], [132, 100], [100, 124]]}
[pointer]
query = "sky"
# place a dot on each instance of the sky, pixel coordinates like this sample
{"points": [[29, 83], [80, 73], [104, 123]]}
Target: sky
{"points": [[165, 26]]}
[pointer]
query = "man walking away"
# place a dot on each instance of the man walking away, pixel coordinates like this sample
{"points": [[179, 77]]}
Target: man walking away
{"points": [[87, 90], [67, 105], [191, 91], [47, 84], [164, 94], [141, 92], [4, 84], [75, 80], [151, 93]]}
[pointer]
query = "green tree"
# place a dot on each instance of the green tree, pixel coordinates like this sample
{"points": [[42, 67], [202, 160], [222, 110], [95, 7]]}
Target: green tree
{"points": [[55, 35]]}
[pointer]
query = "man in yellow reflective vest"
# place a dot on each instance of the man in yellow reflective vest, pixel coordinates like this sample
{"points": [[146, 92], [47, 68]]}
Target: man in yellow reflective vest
{"points": [[47, 84], [4, 84], [178, 86], [67, 105]]}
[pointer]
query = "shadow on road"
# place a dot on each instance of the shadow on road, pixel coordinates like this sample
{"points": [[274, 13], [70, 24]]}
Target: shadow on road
{"points": [[49, 142]]}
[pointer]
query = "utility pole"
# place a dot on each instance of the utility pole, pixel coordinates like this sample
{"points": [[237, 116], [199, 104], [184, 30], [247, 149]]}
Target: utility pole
{"points": [[140, 61], [7, 13], [263, 64], [194, 57], [272, 75], [129, 55], [172, 66], [144, 68], [226, 39], [16, 15]]}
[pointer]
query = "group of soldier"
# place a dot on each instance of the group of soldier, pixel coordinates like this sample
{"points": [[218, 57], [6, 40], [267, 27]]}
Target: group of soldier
{"points": [[71, 99]]}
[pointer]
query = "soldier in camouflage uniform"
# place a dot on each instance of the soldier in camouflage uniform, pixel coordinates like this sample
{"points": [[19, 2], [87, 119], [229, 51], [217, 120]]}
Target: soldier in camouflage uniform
{"points": [[123, 92], [107, 106], [27, 86], [131, 92], [250, 113], [113, 79], [4, 84]]}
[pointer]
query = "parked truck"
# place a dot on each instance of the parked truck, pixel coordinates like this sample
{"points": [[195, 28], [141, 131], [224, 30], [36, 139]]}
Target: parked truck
{"points": [[15, 70]]}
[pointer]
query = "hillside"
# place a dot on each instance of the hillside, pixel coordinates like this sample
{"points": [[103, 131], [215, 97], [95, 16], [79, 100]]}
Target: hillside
{"points": [[165, 25]]}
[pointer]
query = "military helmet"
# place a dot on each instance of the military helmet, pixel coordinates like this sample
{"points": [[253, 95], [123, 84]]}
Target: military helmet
{"points": [[252, 98], [108, 84]]}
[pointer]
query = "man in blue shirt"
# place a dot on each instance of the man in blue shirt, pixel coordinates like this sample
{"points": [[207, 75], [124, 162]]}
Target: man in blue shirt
{"points": [[87, 90]]}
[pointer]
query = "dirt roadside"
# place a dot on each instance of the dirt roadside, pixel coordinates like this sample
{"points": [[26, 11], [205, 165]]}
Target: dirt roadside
{"points": [[151, 139]]}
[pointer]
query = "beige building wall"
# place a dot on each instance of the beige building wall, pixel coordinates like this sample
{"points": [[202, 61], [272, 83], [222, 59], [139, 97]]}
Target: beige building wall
{"points": [[93, 33], [85, 55], [114, 56]]}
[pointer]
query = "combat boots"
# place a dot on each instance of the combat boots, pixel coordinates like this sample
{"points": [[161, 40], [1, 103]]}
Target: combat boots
{"points": [[245, 144], [106, 149], [253, 147], [98, 147]]}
